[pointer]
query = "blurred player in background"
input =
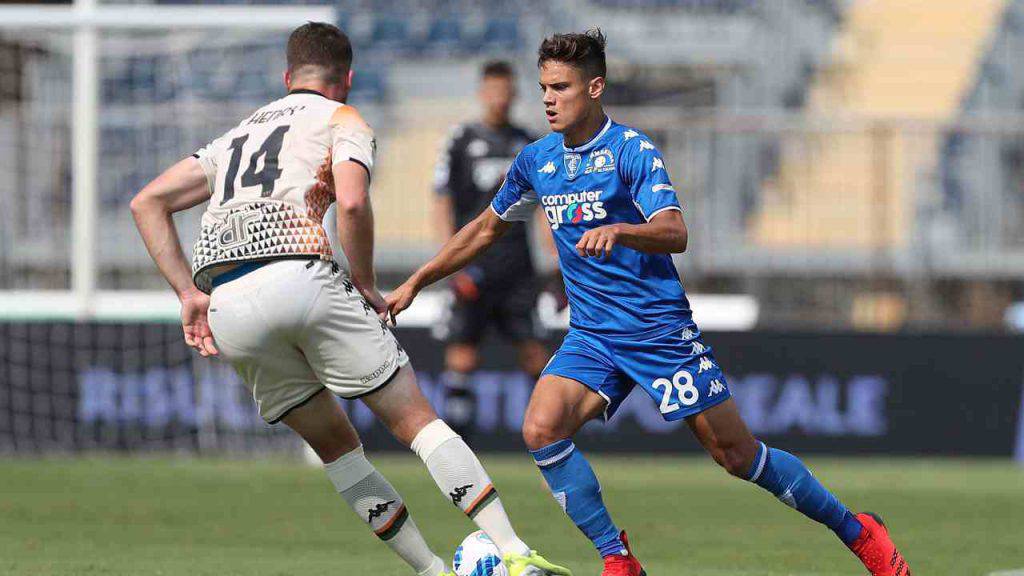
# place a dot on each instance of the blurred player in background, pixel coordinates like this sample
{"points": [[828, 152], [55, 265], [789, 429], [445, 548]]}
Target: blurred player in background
{"points": [[265, 293], [499, 289], [616, 220]]}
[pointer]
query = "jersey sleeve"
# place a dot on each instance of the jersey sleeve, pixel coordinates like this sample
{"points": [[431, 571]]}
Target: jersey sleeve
{"points": [[516, 199], [207, 157], [643, 171], [352, 139]]}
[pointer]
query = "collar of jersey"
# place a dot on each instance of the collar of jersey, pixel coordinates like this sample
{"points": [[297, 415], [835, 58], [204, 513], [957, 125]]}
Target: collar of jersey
{"points": [[590, 143], [305, 91]]}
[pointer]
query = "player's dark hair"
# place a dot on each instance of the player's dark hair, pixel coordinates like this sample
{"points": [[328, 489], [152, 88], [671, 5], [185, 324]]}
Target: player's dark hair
{"points": [[322, 49], [582, 50], [497, 69]]}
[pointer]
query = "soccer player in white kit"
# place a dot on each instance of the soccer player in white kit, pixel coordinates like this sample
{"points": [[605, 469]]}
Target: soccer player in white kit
{"points": [[265, 293]]}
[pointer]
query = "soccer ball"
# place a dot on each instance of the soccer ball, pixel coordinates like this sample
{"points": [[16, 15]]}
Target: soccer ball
{"points": [[478, 556]]}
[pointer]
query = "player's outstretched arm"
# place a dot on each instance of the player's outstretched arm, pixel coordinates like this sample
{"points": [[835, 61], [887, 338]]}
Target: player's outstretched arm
{"points": [[180, 187], [463, 247], [664, 234]]}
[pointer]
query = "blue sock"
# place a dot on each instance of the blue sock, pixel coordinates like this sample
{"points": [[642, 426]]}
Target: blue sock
{"points": [[574, 485], [785, 476]]}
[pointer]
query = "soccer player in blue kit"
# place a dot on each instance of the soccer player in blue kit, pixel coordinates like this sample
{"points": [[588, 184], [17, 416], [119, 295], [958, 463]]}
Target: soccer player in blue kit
{"points": [[615, 219]]}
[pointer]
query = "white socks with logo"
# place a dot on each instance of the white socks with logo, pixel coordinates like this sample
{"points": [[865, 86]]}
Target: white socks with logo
{"points": [[463, 480], [375, 500]]}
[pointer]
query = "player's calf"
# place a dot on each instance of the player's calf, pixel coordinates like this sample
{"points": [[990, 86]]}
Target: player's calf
{"points": [[785, 476], [401, 407], [735, 457], [377, 502], [325, 427], [558, 408], [725, 436], [463, 480], [574, 485]]}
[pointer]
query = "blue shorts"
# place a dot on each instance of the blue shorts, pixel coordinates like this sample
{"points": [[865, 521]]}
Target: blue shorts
{"points": [[673, 366]]}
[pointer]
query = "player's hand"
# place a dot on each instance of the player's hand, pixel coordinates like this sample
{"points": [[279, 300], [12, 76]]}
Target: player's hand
{"points": [[195, 323], [598, 242], [399, 300], [376, 301]]}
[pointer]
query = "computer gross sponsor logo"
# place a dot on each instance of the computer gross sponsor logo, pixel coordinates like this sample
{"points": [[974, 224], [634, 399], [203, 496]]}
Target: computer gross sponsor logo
{"points": [[574, 208]]}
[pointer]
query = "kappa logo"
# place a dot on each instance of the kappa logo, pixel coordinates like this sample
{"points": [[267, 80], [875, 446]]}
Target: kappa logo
{"points": [[657, 164], [601, 161], [686, 334], [705, 365], [572, 162], [788, 499], [380, 371], [645, 145], [560, 497], [716, 387], [698, 348], [459, 493], [660, 187], [628, 134], [378, 510], [548, 168]]}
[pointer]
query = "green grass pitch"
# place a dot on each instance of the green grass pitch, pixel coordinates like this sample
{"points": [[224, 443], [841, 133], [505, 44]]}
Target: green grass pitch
{"points": [[144, 517]]}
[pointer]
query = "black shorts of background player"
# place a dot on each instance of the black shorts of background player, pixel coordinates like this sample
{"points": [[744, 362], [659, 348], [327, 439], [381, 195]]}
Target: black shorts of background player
{"points": [[500, 289]]}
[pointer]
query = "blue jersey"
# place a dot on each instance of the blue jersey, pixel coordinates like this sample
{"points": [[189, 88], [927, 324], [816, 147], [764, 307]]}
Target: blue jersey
{"points": [[618, 176]]}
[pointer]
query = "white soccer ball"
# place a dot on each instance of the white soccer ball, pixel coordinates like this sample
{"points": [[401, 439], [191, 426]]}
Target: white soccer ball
{"points": [[478, 556]]}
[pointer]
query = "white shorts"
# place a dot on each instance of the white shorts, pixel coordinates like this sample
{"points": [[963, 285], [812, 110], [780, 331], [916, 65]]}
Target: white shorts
{"points": [[295, 327]]}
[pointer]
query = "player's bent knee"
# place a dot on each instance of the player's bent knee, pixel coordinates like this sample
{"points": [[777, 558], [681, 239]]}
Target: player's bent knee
{"points": [[401, 406], [330, 446], [409, 426], [735, 458], [541, 432]]}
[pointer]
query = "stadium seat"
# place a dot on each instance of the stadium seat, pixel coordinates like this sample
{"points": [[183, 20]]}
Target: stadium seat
{"points": [[445, 32], [389, 32], [890, 64], [501, 32]]}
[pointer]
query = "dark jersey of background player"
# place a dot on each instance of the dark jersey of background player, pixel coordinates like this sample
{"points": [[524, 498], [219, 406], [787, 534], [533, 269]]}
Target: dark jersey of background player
{"points": [[499, 290], [471, 169]]}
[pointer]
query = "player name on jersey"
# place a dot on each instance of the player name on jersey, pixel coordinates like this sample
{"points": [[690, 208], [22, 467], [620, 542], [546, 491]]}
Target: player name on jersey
{"points": [[264, 116]]}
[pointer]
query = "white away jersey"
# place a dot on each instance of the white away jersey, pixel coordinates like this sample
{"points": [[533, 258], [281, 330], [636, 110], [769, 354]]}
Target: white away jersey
{"points": [[271, 182]]}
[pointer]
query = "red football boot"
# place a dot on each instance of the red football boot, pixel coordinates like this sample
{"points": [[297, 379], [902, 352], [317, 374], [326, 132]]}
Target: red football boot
{"points": [[876, 550], [628, 565]]}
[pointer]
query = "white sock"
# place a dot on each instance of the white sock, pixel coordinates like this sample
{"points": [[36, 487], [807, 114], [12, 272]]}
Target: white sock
{"points": [[462, 478], [375, 500]]}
